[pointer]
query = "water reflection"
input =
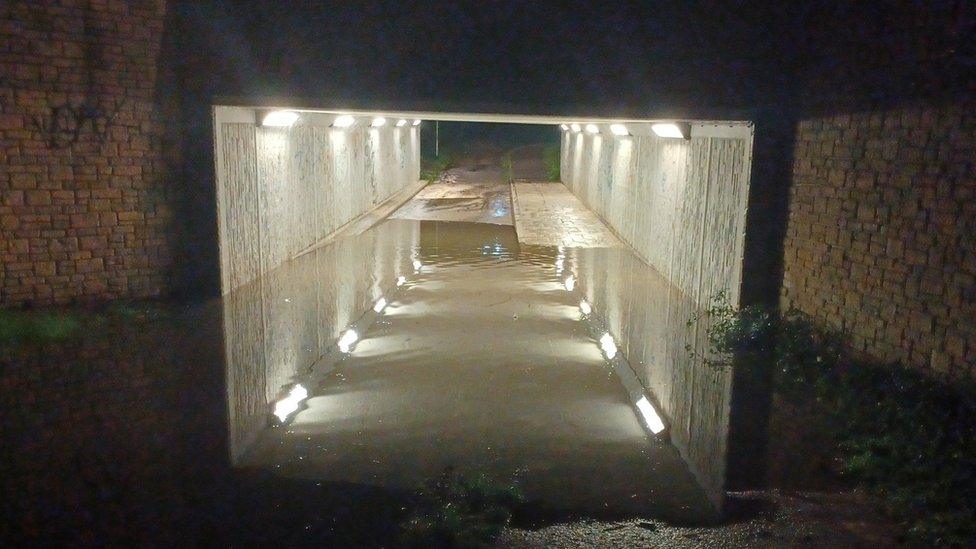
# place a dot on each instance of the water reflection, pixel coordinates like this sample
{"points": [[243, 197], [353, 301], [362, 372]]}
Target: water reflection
{"points": [[430, 344]]}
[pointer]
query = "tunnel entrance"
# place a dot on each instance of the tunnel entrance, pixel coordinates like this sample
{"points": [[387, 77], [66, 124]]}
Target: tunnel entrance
{"points": [[379, 327]]}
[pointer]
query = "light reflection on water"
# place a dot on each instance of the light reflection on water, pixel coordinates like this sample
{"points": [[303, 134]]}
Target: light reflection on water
{"points": [[480, 360]]}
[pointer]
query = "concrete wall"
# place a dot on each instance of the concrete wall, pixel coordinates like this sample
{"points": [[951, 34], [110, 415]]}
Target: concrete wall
{"points": [[682, 206], [282, 190], [84, 194], [273, 332]]}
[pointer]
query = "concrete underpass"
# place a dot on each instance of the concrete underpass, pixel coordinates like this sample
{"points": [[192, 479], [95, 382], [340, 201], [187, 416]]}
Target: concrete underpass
{"points": [[379, 328]]}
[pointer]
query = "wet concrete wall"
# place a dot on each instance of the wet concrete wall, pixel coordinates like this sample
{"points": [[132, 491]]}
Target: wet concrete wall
{"points": [[681, 204], [648, 317], [282, 190], [273, 331]]}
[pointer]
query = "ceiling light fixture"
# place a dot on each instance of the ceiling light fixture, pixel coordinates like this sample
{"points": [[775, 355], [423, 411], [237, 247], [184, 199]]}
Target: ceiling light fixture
{"points": [[671, 130], [343, 121], [279, 119], [619, 129]]}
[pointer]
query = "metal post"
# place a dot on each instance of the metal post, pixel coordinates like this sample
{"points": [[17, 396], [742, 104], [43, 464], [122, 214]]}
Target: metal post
{"points": [[437, 139]]}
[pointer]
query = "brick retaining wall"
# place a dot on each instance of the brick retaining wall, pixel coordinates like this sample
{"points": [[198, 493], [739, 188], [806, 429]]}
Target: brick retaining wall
{"points": [[83, 215], [882, 228]]}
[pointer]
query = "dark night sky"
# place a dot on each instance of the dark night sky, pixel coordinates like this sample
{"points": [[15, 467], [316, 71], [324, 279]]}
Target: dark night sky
{"points": [[684, 57], [530, 54]]}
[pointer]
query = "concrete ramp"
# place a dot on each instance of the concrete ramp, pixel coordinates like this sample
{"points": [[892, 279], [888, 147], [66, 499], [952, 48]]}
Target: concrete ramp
{"points": [[548, 214]]}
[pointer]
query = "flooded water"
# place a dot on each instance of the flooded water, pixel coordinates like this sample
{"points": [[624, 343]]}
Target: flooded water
{"points": [[373, 364]]}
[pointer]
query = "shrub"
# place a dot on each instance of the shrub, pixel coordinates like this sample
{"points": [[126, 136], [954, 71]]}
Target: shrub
{"points": [[550, 159], [907, 435], [458, 511], [431, 168], [508, 167]]}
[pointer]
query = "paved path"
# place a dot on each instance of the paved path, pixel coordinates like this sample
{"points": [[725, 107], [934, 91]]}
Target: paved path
{"points": [[548, 214]]}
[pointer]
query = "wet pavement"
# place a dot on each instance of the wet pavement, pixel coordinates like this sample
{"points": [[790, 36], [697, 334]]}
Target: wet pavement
{"points": [[480, 361], [548, 214], [473, 194]]}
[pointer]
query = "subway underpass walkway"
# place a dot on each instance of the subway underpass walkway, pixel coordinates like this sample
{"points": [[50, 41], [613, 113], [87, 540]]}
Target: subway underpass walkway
{"points": [[479, 359]]}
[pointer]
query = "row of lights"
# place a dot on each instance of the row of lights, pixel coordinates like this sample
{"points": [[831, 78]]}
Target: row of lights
{"points": [[609, 347], [285, 119], [664, 129], [288, 405]]}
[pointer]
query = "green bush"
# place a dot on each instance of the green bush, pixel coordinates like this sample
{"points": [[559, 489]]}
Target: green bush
{"points": [[550, 159], [431, 168], [458, 511], [908, 436]]}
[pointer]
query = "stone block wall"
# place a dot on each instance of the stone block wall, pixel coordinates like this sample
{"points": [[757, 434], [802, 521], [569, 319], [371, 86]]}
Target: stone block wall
{"points": [[882, 225], [83, 187], [882, 220]]}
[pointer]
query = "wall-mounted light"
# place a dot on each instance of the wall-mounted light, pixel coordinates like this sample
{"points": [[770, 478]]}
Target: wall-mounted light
{"points": [[378, 122], [279, 119], [401, 280], [417, 265], [619, 129], [585, 307], [284, 407], [401, 123], [380, 305], [672, 130], [563, 127], [416, 122], [575, 127], [592, 128], [347, 340], [608, 345], [569, 283], [651, 417], [343, 121]]}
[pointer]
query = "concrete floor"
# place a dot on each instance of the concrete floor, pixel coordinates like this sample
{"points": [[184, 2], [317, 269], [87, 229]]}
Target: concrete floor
{"points": [[481, 362], [548, 214]]}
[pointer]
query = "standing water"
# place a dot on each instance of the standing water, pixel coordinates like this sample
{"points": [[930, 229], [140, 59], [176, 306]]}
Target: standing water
{"points": [[434, 340]]}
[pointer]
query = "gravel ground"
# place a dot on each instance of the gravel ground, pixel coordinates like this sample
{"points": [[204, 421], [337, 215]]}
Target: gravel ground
{"points": [[757, 519]]}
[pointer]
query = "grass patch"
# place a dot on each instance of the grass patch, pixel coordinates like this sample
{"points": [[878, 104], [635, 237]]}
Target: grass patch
{"points": [[906, 436], [454, 510], [43, 326], [550, 159], [431, 168], [21, 327]]}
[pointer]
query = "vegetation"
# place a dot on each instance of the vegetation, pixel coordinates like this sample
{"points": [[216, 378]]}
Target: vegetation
{"points": [[431, 168], [550, 159], [27, 327], [907, 436], [17, 327], [508, 167], [457, 511]]}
